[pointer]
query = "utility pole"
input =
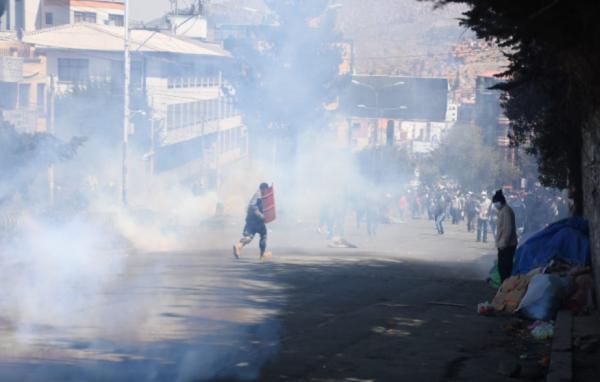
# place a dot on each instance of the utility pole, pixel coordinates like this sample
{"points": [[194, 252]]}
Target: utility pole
{"points": [[219, 139], [52, 130], [174, 13], [127, 65]]}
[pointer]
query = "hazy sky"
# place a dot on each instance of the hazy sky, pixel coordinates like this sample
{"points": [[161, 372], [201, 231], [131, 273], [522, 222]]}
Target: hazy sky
{"points": [[150, 9]]}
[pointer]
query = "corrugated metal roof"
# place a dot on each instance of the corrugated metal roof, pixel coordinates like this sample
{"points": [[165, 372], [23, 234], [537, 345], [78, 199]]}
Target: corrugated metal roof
{"points": [[87, 36]]}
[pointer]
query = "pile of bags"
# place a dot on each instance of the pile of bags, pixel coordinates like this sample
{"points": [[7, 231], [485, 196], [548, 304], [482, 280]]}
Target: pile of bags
{"points": [[551, 271]]}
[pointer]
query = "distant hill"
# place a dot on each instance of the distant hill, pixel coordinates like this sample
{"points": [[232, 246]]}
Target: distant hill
{"points": [[410, 37], [404, 37]]}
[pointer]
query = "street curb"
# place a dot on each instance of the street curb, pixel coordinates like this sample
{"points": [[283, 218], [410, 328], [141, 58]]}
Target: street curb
{"points": [[561, 358]]}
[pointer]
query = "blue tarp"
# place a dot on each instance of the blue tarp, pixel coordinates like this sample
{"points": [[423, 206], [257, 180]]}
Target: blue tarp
{"points": [[567, 240]]}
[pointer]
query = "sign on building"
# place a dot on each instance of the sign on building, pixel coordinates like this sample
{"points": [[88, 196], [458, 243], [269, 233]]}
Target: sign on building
{"points": [[11, 69]]}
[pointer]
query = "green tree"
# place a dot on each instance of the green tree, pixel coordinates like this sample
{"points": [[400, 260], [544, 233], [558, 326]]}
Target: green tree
{"points": [[463, 157], [551, 90], [551, 87], [25, 156]]}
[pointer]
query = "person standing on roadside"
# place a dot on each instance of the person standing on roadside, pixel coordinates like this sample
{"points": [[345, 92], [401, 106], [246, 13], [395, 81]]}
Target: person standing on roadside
{"points": [[483, 219], [506, 235]]}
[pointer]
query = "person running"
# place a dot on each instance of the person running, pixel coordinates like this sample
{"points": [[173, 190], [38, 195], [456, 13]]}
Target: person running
{"points": [[255, 224]]}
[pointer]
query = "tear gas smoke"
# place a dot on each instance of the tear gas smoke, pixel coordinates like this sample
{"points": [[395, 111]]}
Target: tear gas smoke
{"points": [[94, 291]]}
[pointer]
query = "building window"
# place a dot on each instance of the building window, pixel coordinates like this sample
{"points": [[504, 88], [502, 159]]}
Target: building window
{"points": [[85, 17], [72, 69], [49, 18], [41, 98], [116, 20], [24, 101]]}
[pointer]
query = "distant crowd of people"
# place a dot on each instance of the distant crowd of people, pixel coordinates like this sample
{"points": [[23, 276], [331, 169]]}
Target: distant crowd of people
{"points": [[533, 209]]}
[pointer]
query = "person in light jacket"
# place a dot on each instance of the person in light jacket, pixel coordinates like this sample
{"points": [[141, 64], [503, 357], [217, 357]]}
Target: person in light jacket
{"points": [[506, 235], [483, 210]]}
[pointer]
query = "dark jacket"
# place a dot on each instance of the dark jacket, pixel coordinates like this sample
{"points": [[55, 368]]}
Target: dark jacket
{"points": [[254, 214]]}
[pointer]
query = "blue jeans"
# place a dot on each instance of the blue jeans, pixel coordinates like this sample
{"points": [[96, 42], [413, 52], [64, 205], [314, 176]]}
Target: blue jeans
{"points": [[439, 219], [482, 227]]}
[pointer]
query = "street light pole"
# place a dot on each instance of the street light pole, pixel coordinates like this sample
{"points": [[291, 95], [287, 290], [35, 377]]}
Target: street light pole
{"points": [[126, 69], [379, 110]]}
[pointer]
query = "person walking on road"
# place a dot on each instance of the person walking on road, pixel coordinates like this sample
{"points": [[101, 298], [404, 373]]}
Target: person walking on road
{"points": [[506, 235], [455, 209], [255, 224], [440, 214], [484, 214], [471, 212]]}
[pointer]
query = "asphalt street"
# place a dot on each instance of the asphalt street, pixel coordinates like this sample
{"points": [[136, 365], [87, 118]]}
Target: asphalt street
{"points": [[400, 307]]}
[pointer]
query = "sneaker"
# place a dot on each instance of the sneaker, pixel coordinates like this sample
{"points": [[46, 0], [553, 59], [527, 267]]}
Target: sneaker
{"points": [[266, 255], [237, 249]]}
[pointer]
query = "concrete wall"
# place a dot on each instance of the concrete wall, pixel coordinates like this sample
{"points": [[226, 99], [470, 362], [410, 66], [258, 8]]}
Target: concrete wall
{"points": [[63, 11], [100, 64], [102, 14], [60, 14], [591, 190], [33, 15]]}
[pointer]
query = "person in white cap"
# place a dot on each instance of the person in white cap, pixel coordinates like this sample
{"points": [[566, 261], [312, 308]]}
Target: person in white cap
{"points": [[483, 211]]}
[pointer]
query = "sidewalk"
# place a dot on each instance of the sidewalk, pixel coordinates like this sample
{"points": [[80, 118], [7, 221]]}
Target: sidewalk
{"points": [[586, 348]]}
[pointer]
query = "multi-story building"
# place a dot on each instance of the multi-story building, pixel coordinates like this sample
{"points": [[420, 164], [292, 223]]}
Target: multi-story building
{"points": [[197, 127], [21, 15], [30, 15], [103, 12], [23, 85]]}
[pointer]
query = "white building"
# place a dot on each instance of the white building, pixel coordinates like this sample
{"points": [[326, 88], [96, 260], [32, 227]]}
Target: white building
{"points": [[31, 15], [21, 15], [181, 80], [103, 12]]}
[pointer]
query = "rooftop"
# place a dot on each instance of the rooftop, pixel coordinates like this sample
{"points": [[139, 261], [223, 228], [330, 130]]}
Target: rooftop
{"points": [[87, 36]]}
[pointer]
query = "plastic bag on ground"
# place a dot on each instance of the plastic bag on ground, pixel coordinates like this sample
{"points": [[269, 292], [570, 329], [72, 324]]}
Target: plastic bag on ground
{"points": [[494, 276], [541, 330], [543, 297]]}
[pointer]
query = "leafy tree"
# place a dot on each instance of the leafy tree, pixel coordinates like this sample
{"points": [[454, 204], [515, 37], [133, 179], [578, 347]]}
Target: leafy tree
{"points": [[77, 114], [552, 85], [289, 70], [464, 157], [25, 156]]}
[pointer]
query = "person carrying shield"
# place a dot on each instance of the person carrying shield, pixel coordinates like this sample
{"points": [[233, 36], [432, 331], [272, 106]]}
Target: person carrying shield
{"points": [[255, 223]]}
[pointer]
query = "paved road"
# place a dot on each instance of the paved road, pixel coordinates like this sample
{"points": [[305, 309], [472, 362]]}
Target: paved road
{"points": [[309, 313]]}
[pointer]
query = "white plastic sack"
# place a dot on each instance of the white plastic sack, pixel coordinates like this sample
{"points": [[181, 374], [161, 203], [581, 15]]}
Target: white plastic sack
{"points": [[543, 297]]}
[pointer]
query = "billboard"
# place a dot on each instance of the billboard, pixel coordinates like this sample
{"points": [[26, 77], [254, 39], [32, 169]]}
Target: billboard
{"points": [[396, 97]]}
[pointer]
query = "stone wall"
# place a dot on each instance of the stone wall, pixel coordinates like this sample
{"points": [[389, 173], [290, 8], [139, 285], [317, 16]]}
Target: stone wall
{"points": [[591, 191]]}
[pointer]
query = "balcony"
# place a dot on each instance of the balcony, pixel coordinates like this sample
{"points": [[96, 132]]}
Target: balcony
{"points": [[192, 82], [169, 137], [11, 69]]}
